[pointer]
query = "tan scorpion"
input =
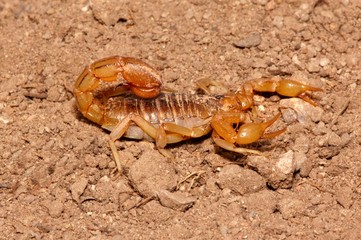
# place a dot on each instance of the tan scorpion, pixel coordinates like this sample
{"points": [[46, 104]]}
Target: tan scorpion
{"points": [[125, 96]]}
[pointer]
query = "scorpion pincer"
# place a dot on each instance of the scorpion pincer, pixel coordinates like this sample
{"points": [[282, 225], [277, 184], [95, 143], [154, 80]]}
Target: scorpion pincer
{"points": [[125, 96]]}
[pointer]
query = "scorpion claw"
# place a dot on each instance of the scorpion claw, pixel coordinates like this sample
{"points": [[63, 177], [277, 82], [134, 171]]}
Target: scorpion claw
{"points": [[231, 147], [246, 133], [290, 88], [252, 132]]}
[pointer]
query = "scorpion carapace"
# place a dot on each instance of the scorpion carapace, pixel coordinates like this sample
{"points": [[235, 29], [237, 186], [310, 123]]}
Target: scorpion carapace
{"points": [[125, 95]]}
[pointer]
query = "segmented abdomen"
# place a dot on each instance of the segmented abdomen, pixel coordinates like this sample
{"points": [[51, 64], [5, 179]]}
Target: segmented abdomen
{"points": [[182, 109]]}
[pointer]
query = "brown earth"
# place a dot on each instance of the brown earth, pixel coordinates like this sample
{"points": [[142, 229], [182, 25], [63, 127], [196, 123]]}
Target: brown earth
{"points": [[57, 173]]}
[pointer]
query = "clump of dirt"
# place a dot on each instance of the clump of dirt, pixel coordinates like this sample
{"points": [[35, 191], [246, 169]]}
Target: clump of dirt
{"points": [[57, 172]]}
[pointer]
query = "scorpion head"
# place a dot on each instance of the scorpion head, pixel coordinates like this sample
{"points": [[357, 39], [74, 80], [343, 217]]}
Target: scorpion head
{"points": [[230, 103]]}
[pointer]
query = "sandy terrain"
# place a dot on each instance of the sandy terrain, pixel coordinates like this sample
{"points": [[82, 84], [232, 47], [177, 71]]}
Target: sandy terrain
{"points": [[57, 173]]}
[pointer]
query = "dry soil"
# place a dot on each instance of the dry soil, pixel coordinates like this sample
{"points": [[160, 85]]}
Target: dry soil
{"points": [[57, 175]]}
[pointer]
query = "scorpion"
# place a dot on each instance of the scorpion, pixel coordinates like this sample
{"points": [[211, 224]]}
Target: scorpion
{"points": [[125, 96]]}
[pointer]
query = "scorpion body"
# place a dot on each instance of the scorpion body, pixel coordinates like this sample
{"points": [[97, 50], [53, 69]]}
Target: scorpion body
{"points": [[184, 110], [125, 96]]}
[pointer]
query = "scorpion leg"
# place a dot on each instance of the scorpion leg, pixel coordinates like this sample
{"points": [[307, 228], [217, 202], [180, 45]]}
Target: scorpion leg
{"points": [[122, 127], [163, 134], [187, 132], [172, 133], [230, 146]]}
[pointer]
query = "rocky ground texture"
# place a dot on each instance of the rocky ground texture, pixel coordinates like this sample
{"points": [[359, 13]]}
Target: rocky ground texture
{"points": [[56, 168]]}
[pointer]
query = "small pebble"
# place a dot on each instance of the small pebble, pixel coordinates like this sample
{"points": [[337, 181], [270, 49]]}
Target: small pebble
{"points": [[286, 163], [344, 196], [151, 173], [305, 111], [278, 21], [345, 139], [5, 119], [176, 201], [313, 66], [301, 144], [55, 93], [56, 208], [290, 207], [240, 180], [109, 12], [324, 62], [297, 62], [353, 59], [303, 13], [78, 188], [300, 158], [260, 2], [252, 40], [264, 201], [47, 35], [306, 166], [334, 139]]}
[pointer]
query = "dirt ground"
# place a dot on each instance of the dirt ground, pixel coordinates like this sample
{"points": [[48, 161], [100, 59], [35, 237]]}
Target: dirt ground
{"points": [[57, 175]]}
